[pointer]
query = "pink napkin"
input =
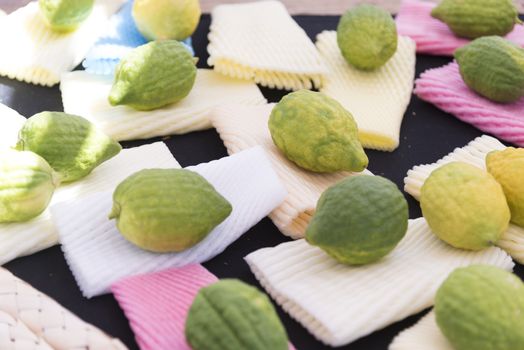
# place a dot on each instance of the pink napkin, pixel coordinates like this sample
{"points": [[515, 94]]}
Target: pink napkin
{"points": [[445, 88], [432, 36]]}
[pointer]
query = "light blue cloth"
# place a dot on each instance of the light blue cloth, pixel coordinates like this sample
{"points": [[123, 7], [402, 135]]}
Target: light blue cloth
{"points": [[121, 37]]}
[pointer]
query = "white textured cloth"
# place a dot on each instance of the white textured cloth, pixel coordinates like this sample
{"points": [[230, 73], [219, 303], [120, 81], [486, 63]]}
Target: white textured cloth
{"points": [[86, 95], [377, 99], [33, 53], [30, 319], [19, 239], [10, 124], [473, 153], [260, 41], [339, 304], [99, 255], [425, 335], [242, 127]]}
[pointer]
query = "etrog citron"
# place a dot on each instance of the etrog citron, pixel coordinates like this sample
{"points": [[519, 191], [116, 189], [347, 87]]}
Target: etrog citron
{"points": [[475, 18], [481, 307], [493, 67], [507, 167], [154, 75], [27, 184], [367, 37], [65, 15], [315, 132], [72, 145], [230, 314], [166, 19], [464, 206], [167, 210], [359, 220]]}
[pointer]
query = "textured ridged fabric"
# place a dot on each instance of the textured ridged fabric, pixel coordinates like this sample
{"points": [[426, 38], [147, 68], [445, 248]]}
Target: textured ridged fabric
{"points": [[33, 53], [27, 315], [378, 99], [10, 124], [339, 304], [260, 41], [473, 153], [86, 95], [445, 88], [433, 36], [25, 238], [242, 127], [120, 37], [91, 242], [157, 304], [424, 335]]}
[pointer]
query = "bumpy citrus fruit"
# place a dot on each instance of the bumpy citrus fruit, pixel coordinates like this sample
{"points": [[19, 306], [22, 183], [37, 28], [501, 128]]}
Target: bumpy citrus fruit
{"points": [[167, 210], [230, 314], [65, 15], [464, 206], [359, 220], [507, 167], [367, 37], [482, 308], [317, 133], [166, 19]]}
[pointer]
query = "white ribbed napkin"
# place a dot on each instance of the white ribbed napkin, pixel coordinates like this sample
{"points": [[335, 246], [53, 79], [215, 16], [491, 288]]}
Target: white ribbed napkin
{"points": [[25, 238], [241, 127], [377, 99], [10, 124], [99, 256], [473, 153], [424, 335], [33, 53], [339, 304], [86, 94], [260, 41]]}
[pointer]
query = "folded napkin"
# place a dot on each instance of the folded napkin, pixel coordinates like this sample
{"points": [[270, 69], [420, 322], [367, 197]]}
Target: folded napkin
{"points": [[25, 310], [473, 153], [25, 238], [445, 88], [86, 95], [241, 127], [10, 122], [378, 99], [121, 36], [33, 53], [339, 304], [433, 36], [425, 335], [91, 242], [260, 41]]}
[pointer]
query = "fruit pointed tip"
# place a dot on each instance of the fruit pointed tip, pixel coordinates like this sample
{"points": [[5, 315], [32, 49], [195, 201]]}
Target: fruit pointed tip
{"points": [[115, 212]]}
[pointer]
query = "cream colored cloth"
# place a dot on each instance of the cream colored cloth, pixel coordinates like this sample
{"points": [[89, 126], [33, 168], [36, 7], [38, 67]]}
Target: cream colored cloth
{"points": [[242, 127], [10, 124], [25, 238], [33, 53], [86, 95], [425, 335], [30, 319], [260, 41], [377, 99], [473, 153], [339, 303]]}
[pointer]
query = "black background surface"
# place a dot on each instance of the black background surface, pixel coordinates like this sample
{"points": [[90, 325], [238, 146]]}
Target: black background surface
{"points": [[427, 134]]}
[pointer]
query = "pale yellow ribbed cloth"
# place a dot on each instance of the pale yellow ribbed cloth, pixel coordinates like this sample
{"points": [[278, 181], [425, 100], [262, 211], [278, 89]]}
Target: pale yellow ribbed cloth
{"points": [[86, 95], [33, 53], [377, 99], [242, 127], [473, 153], [260, 41], [424, 335]]}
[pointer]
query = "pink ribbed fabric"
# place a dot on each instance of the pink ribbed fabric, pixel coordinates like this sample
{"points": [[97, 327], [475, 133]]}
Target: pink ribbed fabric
{"points": [[445, 88], [156, 304], [432, 36]]}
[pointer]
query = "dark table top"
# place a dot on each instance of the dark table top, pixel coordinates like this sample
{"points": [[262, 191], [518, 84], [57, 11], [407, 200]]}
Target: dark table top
{"points": [[427, 134]]}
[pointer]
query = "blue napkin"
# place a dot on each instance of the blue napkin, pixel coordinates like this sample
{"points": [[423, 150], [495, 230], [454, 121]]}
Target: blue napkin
{"points": [[121, 37]]}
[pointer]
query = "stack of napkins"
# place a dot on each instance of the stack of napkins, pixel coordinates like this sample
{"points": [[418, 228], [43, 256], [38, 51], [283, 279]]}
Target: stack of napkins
{"points": [[260, 41]]}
